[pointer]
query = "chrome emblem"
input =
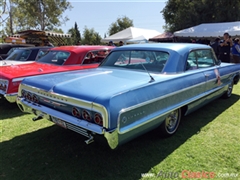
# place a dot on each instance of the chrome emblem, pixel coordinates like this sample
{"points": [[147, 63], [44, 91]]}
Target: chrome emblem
{"points": [[55, 104]]}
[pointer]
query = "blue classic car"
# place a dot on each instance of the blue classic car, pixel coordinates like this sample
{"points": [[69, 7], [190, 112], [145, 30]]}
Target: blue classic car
{"points": [[137, 88]]}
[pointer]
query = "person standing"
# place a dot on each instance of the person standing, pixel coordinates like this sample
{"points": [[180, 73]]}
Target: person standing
{"points": [[111, 43], [225, 48], [236, 51], [120, 43]]}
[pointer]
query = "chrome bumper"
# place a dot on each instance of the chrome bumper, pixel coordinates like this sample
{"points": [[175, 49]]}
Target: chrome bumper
{"points": [[11, 97], [82, 127]]}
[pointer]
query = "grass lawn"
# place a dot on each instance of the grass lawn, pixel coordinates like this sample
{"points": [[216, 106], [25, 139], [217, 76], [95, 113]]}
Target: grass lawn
{"points": [[208, 140]]}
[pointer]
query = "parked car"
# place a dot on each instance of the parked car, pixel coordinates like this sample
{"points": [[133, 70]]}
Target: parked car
{"points": [[58, 59], [137, 88], [24, 55], [7, 48]]}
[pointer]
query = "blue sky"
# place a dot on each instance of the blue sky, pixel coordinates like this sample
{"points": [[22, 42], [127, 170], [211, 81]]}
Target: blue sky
{"points": [[100, 14]]}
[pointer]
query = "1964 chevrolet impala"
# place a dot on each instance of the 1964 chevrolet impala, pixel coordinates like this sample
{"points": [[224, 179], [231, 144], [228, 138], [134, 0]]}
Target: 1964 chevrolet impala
{"points": [[136, 89]]}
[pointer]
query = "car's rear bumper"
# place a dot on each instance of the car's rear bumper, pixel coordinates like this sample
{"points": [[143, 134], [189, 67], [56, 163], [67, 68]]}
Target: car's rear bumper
{"points": [[82, 127]]}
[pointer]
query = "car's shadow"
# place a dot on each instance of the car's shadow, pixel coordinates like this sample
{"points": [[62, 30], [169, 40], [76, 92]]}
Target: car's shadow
{"points": [[56, 153], [9, 110]]}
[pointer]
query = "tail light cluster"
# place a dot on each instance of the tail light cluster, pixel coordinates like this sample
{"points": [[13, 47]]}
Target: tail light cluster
{"points": [[3, 84], [79, 113], [87, 115], [30, 96]]}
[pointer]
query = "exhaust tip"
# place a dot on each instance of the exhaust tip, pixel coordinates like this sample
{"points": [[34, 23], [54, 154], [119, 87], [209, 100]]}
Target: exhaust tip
{"points": [[37, 118]]}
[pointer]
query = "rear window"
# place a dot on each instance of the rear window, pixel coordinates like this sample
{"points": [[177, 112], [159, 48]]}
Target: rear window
{"points": [[137, 60], [55, 57]]}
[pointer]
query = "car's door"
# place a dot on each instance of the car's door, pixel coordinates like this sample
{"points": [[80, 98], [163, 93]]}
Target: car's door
{"points": [[207, 63], [202, 64]]}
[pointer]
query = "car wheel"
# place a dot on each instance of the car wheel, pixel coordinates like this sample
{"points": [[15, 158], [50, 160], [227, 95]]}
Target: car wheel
{"points": [[229, 91], [171, 123]]}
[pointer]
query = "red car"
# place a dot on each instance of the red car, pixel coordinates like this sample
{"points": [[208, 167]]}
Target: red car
{"points": [[59, 59]]}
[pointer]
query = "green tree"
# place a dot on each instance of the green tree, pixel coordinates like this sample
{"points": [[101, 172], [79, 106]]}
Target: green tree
{"points": [[181, 14], [35, 14], [119, 25], [3, 10], [57, 30], [76, 35], [91, 37]]}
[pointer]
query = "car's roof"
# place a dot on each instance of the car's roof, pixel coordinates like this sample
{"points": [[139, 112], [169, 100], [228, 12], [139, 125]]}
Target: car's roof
{"points": [[78, 49], [16, 45], [38, 47], [164, 46]]}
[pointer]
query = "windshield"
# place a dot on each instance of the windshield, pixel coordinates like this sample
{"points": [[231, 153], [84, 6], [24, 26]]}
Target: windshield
{"points": [[11, 50], [19, 55], [137, 60], [55, 57]]}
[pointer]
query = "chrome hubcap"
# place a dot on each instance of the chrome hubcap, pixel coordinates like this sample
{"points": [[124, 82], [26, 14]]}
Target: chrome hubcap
{"points": [[230, 87], [172, 120]]}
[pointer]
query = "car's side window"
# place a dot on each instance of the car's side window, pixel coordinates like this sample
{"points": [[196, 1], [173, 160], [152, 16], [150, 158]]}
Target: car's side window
{"points": [[25, 54], [41, 53], [191, 61], [200, 59], [205, 58], [95, 56]]}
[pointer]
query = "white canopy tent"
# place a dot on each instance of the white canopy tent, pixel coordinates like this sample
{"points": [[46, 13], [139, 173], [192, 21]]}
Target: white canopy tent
{"points": [[132, 34], [211, 30], [139, 39]]}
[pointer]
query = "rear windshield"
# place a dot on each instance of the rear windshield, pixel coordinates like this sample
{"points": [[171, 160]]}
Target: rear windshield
{"points": [[55, 57], [19, 55], [137, 60]]}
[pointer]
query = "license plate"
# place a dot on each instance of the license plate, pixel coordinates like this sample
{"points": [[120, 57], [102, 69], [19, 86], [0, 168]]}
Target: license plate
{"points": [[59, 122]]}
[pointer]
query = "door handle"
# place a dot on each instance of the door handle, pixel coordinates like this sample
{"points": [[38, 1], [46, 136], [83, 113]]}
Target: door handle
{"points": [[207, 75]]}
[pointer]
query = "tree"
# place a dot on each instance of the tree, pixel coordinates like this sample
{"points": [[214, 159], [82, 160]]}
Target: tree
{"points": [[91, 37], [187, 13], [3, 10], [36, 14], [76, 35], [119, 25]]}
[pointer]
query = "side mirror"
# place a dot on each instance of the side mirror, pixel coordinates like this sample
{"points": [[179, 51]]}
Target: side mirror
{"points": [[219, 62]]}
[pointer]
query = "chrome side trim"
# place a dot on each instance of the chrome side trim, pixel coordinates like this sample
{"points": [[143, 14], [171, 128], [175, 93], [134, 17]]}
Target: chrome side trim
{"points": [[11, 97], [176, 92], [162, 97], [162, 113]]}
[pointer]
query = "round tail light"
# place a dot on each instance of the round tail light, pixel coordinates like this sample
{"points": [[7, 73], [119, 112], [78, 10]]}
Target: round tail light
{"points": [[35, 98], [24, 94], [75, 112], [29, 96], [86, 115], [98, 119]]}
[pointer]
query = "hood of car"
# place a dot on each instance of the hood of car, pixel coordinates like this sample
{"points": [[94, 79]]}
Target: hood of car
{"points": [[12, 62], [89, 84], [35, 68]]}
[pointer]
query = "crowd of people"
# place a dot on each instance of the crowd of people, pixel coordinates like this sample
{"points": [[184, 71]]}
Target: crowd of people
{"points": [[227, 49]]}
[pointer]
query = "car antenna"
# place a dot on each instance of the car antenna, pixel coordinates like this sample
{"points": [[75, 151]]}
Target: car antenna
{"points": [[151, 78]]}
